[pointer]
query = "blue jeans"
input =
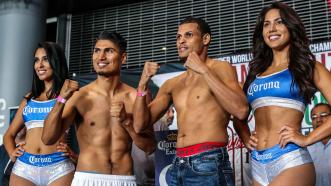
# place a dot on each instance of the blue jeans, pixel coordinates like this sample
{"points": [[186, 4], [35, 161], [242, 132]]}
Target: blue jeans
{"points": [[211, 168]]}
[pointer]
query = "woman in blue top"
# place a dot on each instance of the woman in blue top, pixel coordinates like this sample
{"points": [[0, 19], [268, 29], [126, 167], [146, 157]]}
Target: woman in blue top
{"points": [[282, 79], [35, 162]]}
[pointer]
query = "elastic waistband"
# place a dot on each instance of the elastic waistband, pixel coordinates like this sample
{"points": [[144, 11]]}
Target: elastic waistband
{"points": [[198, 148], [270, 154], [98, 176], [42, 160]]}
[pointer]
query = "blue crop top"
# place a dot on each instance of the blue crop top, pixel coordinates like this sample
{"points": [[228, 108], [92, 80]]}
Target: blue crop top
{"points": [[35, 112], [275, 90]]}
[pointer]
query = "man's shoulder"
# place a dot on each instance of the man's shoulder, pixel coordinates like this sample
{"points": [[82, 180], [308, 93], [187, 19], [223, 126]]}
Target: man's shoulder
{"points": [[82, 93], [222, 68], [220, 64], [172, 81], [129, 91], [128, 88]]}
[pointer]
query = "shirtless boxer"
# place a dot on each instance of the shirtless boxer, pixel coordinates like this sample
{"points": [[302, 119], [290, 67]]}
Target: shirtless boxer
{"points": [[102, 111], [204, 97]]}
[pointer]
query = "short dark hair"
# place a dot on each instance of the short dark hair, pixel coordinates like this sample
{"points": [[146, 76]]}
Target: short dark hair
{"points": [[202, 24], [115, 38], [321, 104]]}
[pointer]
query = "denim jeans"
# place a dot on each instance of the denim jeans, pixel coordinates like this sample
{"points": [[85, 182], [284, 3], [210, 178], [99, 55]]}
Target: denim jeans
{"points": [[211, 168]]}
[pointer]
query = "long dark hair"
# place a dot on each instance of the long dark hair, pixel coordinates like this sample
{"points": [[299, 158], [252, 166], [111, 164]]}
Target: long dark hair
{"points": [[301, 60], [58, 63]]}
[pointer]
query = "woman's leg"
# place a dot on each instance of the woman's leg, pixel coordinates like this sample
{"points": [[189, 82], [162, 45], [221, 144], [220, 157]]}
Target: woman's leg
{"points": [[63, 180], [302, 175], [17, 180]]}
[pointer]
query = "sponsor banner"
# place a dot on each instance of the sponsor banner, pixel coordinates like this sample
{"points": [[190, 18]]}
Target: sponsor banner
{"points": [[164, 154]]}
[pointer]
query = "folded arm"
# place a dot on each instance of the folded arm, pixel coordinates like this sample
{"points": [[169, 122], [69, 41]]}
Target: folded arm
{"points": [[222, 81]]}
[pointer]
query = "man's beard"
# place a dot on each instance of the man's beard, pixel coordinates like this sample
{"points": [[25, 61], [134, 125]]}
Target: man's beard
{"points": [[182, 59], [107, 74]]}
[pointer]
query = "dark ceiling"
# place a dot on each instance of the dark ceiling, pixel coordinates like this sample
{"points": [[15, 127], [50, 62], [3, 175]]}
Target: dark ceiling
{"points": [[57, 7]]}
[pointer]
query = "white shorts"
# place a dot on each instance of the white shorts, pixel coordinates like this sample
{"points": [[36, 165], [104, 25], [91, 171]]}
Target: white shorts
{"points": [[42, 169], [95, 179], [269, 163]]}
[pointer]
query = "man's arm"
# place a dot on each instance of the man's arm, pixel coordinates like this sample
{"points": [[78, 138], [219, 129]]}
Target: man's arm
{"points": [[242, 129], [145, 114], [61, 116], [222, 81], [144, 140]]}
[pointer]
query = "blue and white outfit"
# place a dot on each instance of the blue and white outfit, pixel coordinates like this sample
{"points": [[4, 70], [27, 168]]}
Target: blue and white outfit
{"points": [[276, 90], [40, 169], [268, 163]]}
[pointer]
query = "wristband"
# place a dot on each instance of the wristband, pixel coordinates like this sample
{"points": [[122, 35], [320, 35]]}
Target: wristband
{"points": [[61, 99], [141, 94]]}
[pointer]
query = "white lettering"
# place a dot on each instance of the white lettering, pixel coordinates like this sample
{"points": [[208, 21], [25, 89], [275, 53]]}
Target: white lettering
{"points": [[320, 47], [164, 145], [276, 85], [270, 85], [29, 110], [242, 58], [254, 88], [264, 156], [33, 160], [226, 58], [168, 151]]}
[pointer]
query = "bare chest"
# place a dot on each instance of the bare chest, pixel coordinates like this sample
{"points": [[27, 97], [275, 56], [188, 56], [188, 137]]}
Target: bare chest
{"points": [[191, 94], [95, 117]]}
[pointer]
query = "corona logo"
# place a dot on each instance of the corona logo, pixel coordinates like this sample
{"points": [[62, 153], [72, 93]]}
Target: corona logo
{"points": [[164, 145], [172, 137], [254, 88], [263, 156], [28, 110], [33, 160]]}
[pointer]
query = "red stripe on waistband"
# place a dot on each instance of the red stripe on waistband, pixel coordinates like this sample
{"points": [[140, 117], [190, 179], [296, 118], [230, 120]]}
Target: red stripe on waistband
{"points": [[198, 148]]}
